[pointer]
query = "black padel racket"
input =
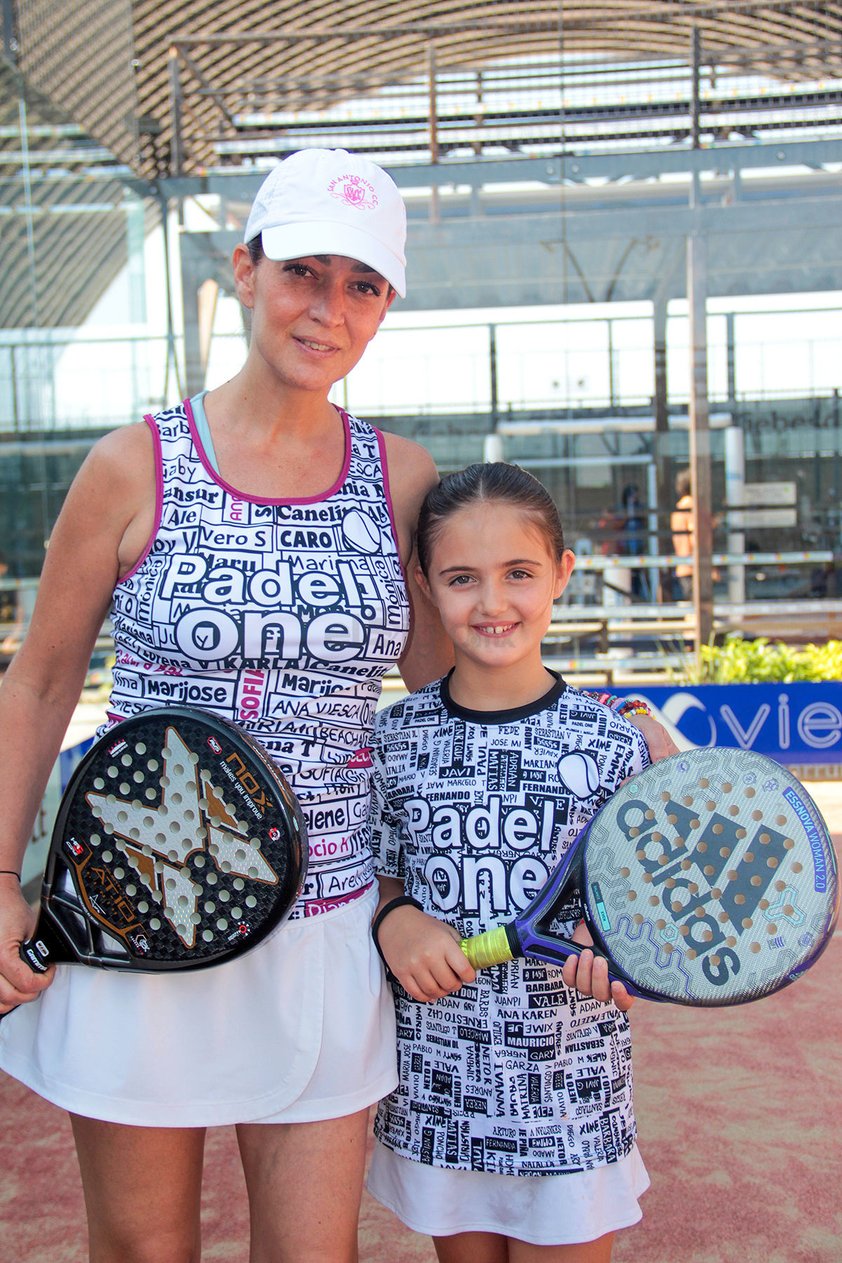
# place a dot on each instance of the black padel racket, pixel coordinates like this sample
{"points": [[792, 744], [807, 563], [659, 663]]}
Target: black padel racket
{"points": [[708, 879], [177, 844]]}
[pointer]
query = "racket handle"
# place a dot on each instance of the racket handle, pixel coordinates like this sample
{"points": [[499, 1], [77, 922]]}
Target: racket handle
{"points": [[35, 953], [490, 948]]}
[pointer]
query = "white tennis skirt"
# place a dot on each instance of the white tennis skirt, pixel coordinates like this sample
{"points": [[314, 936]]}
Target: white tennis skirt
{"points": [[299, 1029], [540, 1209]]}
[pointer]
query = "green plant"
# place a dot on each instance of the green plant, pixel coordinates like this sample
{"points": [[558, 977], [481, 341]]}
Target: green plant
{"points": [[740, 661]]}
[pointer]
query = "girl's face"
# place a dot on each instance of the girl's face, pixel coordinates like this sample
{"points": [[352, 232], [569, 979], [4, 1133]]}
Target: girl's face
{"points": [[311, 318], [494, 577]]}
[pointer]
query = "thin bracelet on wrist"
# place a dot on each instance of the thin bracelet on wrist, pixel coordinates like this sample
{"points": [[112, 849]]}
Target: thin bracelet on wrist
{"points": [[399, 902], [9, 872]]}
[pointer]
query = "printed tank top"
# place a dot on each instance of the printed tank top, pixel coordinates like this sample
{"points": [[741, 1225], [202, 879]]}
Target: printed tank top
{"points": [[281, 615]]}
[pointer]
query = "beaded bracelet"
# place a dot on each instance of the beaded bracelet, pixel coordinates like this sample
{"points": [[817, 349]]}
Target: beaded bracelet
{"points": [[623, 706]]}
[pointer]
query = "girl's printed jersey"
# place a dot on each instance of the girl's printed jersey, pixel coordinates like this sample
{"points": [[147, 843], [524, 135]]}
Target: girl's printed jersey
{"points": [[282, 616], [515, 1073]]}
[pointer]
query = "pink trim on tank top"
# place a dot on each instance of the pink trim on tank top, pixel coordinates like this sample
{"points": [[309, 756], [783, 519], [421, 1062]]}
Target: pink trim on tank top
{"points": [[159, 500], [384, 464], [242, 495]]}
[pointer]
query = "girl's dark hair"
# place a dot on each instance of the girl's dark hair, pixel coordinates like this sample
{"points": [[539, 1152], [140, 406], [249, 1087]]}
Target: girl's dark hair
{"points": [[493, 482]]}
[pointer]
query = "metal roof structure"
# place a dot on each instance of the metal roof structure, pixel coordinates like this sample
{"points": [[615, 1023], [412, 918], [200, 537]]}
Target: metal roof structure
{"points": [[109, 101], [173, 87]]}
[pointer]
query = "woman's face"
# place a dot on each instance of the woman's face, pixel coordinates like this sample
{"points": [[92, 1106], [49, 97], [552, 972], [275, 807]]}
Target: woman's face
{"points": [[312, 318]]}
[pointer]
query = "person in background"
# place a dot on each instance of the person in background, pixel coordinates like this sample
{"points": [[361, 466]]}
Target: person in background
{"points": [[681, 527]]}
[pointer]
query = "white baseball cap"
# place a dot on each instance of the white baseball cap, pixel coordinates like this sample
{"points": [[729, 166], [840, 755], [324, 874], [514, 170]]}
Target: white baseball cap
{"points": [[329, 201]]}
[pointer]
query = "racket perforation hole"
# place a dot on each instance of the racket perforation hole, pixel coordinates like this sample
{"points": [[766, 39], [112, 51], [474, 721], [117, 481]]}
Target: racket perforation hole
{"points": [[797, 867], [754, 947], [750, 791]]}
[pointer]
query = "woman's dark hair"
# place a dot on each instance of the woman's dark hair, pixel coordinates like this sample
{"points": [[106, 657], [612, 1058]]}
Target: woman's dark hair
{"points": [[494, 482]]}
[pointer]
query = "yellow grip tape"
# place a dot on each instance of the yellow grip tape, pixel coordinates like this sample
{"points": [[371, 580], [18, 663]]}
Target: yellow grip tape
{"points": [[490, 948]]}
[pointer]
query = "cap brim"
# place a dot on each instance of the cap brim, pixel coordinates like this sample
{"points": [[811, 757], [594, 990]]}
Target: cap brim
{"points": [[294, 241]]}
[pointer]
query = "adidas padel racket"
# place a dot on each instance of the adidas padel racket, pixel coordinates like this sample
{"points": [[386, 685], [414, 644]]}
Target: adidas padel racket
{"points": [[177, 844], [708, 879]]}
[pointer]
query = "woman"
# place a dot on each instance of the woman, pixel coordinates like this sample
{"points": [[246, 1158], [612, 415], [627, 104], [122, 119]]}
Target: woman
{"points": [[198, 525]]}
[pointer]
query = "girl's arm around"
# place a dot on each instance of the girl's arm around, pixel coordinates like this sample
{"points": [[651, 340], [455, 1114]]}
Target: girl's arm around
{"points": [[423, 953], [101, 531]]}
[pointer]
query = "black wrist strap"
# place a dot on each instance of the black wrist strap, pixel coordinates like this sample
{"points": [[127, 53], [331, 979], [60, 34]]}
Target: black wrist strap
{"points": [[378, 920]]}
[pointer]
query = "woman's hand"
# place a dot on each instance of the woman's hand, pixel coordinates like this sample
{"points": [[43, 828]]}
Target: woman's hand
{"points": [[658, 740], [18, 983], [423, 953]]}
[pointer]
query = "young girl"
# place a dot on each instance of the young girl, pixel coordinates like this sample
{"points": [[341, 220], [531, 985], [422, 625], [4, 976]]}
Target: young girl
{"points": [[511, 1133]]}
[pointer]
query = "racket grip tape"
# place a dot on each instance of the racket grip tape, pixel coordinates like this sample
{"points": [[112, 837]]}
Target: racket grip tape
{"points": [[35, 953], [490, 948]]}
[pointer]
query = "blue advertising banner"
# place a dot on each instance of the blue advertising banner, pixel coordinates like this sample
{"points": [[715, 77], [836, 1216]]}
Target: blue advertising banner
{"points": [[793, 723]]}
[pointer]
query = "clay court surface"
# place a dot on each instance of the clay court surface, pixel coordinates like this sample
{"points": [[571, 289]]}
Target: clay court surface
{"points": [[740, 1116]]}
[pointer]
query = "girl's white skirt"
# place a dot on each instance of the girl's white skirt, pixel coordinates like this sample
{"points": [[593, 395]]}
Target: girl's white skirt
{"points": [[543, 1210]]}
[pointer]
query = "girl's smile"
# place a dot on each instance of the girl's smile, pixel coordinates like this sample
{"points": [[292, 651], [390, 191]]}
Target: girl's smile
{"points": [[494, 578]]}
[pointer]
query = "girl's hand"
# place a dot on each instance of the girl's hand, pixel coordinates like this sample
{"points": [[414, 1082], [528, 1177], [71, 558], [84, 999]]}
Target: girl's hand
{"points": [[18, 983], [423, 953], [588, 974]]}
